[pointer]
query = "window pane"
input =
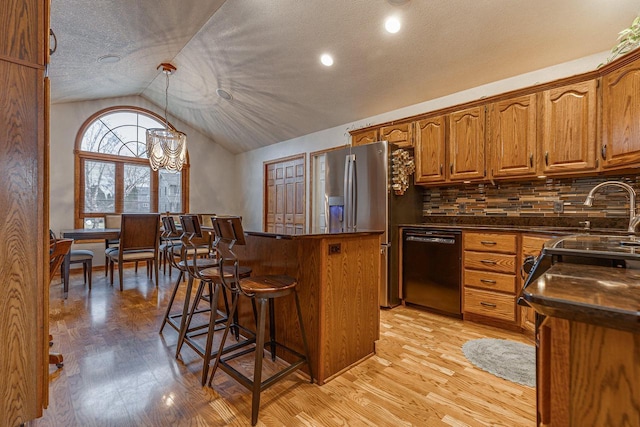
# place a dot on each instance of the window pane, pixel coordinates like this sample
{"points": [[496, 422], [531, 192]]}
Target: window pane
{"points": [[137, 184], [93, 223], [99, 186], [169, 191], [120, 133]]}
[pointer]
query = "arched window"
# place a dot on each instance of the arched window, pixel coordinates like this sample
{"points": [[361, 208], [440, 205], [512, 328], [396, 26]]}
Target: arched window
{"points": [[113, 173]]}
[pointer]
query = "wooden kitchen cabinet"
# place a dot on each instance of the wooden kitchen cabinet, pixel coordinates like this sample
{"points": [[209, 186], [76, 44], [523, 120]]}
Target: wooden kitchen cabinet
{"points": [[587, 375], [364, 137], [466, 148], [400, 134], [531, 246], [569, 131], [24, 206], [489, 278], [512, 137], [621, 117], [430, 150]]}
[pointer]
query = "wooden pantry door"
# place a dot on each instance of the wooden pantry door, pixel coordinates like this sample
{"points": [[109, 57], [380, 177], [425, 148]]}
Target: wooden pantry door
{"points": [[284, 195]]}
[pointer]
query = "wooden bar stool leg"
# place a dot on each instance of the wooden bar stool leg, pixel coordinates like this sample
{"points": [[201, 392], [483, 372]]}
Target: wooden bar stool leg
{"points": [[257, 372], [272, 329], [167, 312], [212, 329], [234, 305], [183, 319]]}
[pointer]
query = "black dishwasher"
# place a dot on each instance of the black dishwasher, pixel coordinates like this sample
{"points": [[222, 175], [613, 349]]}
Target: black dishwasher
{"points": [[431, 269]]}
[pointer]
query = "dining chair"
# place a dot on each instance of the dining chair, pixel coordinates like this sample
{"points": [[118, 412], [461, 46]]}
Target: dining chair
{"points": [[58, 250], [139, 241], [110, 221], [171, 244]]}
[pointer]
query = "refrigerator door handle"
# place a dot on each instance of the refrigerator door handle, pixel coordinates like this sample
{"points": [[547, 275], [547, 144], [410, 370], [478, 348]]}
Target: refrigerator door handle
{"points": [[347, 192], [349, 195], [354, 193]]}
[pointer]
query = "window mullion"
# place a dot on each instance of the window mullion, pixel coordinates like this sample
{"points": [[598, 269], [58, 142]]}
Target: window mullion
{"points": [[119, 187]]}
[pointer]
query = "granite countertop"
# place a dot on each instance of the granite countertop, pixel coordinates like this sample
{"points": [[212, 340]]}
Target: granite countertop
{"points": [[557, 230], [604, 296], [312, 235]]}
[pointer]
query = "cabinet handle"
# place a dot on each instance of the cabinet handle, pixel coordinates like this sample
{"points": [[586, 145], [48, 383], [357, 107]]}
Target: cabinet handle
{"points": [[441, 166], [603, 152], [546, 158], [531, 160], [451, 168], [488, 261], [55, 42], [489, 281], [488, 242], [488, 304]]}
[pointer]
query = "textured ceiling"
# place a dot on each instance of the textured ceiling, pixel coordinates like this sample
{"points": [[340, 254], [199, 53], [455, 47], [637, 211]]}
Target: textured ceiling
{"points": [[266, 54]]}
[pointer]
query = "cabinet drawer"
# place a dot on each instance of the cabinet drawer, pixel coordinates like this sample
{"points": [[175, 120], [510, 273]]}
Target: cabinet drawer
{"points": [[490, 242], [491, 281], [491, 304], [485, 261]]}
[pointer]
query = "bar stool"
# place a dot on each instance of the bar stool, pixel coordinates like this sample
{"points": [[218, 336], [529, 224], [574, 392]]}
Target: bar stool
{"points": [[178, 321], [263, 290], [208, 278], [76, 257]]}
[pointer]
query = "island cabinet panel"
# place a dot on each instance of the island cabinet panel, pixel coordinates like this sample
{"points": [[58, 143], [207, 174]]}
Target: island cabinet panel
{"points": [[588, 375], [338, 294], [400, 134], [621, 117], [466, 144], [512, 137], [569, 131], [364, 137], [430, 150]]}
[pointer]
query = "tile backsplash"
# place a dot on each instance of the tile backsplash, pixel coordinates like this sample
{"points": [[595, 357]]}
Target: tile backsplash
{"points": [[542, 198]]}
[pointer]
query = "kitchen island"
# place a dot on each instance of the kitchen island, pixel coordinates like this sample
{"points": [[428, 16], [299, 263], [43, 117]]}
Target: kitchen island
{"points": [[588, 354], [338, 283]]}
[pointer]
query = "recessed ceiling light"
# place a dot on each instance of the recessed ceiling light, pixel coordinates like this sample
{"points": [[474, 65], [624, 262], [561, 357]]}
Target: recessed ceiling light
{"points": [[392, 25], [109, 59], [224, 94], [326, 60]]}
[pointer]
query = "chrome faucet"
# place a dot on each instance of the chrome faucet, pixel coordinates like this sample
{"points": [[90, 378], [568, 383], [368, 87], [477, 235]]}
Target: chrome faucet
{"points": [[634, 219]]}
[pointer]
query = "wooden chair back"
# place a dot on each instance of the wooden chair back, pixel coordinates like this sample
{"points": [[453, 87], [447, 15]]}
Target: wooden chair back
{"points": [[229, 229], [58, 249], [139, 232], [193, 232], [112, 221]]}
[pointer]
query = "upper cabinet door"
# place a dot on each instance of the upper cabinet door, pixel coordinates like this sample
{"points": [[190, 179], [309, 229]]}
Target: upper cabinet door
{"points": [[364, 137], [512, 137], [22, 23], [621, 117], [569, 128], [430, 150], [400, 134], [466, 144]]}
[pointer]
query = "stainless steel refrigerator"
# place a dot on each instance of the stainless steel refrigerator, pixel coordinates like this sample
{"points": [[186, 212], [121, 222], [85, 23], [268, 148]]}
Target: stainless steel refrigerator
{"points": [[358, 196]]}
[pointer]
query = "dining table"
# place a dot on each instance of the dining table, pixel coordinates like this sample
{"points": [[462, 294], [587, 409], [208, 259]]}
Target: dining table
{"points": [[77, 234]]}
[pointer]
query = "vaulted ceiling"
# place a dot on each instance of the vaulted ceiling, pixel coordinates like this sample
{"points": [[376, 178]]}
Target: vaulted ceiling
{"points": [[265, 53]]}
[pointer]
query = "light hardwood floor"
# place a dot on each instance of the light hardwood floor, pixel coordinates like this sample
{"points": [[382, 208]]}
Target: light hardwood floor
{"points": [[120, 372]]}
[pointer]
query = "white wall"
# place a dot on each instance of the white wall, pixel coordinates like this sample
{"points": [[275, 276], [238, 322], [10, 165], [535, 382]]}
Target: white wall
{"points": [[250, 164], [212, 186]]}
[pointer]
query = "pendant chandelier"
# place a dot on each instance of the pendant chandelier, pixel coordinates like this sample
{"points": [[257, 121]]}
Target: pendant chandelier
{"points": [[166, 147]]}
